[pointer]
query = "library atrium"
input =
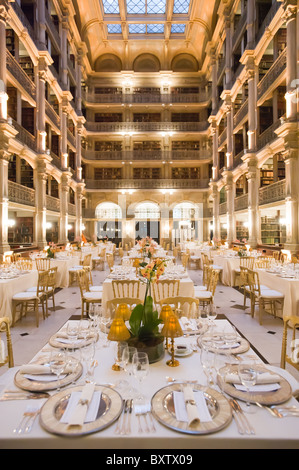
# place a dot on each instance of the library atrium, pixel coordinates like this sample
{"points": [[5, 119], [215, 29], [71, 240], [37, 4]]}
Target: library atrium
{"points": [[153, 129]]}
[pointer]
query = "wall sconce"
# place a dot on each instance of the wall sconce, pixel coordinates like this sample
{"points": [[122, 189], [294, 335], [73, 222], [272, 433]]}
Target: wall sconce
{"points": [[48, 225], [83, 227], [69, 226], [11, 223]]}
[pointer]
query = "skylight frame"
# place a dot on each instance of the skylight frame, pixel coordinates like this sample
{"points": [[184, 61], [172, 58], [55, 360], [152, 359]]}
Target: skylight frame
{"points": [[111, 7]]}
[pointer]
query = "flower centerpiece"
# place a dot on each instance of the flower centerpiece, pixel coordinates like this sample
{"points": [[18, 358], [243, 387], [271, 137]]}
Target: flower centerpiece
{"points": [[147, 247], [144, 320], [51, 250]]}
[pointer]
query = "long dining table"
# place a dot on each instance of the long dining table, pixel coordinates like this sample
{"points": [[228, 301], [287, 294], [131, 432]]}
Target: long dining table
{"points": [[269, 432], [10, 287]]}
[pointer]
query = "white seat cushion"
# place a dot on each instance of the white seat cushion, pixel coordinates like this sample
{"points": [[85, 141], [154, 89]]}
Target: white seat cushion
{"points": [[96, 288], [215, 266], [204, 294], [92, 296], [272, 294], [25, 296], [199, 289], [34, 289]]}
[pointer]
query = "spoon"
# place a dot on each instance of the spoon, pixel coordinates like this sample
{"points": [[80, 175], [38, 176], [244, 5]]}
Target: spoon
{"points": [[171, 380]]}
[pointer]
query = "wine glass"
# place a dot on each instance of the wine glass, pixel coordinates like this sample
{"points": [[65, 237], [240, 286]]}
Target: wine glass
{"points": [[206, 358], [57, 364], [211, 314], [72, 330], [140, 364], [248, 377], [87, 356], [105, 319], [84, 328]]}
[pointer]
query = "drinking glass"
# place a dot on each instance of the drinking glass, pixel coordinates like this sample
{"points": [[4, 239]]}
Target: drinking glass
{"points": [[87, 356], [105, 318], [140, 369], [211, 314], [248, 377], [206, 358], [72, 330], [57, 364], [84, 328], [127, 364]]}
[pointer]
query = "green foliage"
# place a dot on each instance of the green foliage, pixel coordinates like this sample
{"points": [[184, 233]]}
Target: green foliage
{"points": [[144, 320]]}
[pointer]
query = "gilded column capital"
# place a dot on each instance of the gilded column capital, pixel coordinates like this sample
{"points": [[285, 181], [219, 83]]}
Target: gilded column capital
{"points": [[289, 10], [4, 11]]}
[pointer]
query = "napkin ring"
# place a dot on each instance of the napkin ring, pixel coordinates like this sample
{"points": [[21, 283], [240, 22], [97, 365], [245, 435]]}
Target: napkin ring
{"points": [[83, 401], [190, 402]]}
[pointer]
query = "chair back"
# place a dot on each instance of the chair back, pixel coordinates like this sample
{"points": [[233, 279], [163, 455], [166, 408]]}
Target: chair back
{"points": [[87, 260], [6, 358], [185, 260], [43, 264], [188, 305], [42, 283], [126, 288], [83, 281], [253, 282], [110, 261], [213, 281], [276, 255], [120, 252], [88, 275], [247, 262], [52, 277], [263, 262], [165, 288], [290, 321]]}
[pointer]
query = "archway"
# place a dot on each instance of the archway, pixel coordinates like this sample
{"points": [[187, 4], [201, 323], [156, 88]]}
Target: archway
{"points": [[109, 222], [186, 222], [147, 220]]}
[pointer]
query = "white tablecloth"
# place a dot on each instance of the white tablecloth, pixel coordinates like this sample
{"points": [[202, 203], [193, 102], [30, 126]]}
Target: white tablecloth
{"points": [[288, 287], [63, 266], [229, 265], [186, 289], [271, 432], [10, 287]]}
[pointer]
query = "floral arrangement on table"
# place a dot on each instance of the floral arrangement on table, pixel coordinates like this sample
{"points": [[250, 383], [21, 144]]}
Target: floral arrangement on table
{"points": [[144, 320], [216, 243], [147, 247], [51, 250], [242, 251]]}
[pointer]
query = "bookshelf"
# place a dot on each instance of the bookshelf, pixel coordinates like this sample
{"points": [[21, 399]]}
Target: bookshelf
{"points": [[241, 231], [147, 173], [27, 177], [147, 117], [12, 102], [107, 173], [108, 117], [186, 173], [10, 41], [186, 145], [107, 146], [272, 232], [22, 232], [27, 65], [147, 145]]}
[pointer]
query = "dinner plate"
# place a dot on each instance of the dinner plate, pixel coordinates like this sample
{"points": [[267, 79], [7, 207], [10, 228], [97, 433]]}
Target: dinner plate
{"points": [[39, 385], [185, 351], [110, 408], [163, 410], [197, 331], [240, 346], [276, 397], [63, 343]]}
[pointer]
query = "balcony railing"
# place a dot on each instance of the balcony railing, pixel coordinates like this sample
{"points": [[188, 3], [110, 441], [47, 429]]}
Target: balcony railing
{"points": [[129, 98], [52, 203], [222, 138], [20, 75], [267, 21], [21, 194], [238, 158], [147, 184], [25, 22], [275, 71], [52, 115], [71, 209], [223, 208], [71, 138], [146, 126], [241, 114], [156, 155], [241, 202], [272, 193], [24, 136], [268, 135]]}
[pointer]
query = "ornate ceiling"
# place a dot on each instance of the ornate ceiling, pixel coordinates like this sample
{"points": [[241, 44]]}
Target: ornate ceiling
{"points": [[162, 28]]}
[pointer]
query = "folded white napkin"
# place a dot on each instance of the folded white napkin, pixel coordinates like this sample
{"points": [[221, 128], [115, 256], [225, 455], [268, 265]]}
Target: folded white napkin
{"points": [[78, 413], [33, 369], [262, 378], [191, 413], [259, 388], [187, 324]]}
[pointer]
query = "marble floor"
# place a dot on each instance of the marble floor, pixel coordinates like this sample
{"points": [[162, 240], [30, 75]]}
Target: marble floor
{"points": [[266, 338]]}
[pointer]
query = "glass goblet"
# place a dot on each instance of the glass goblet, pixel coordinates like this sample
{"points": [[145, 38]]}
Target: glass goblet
{"points": [[58, 364], [140, 369], [248, 376]]}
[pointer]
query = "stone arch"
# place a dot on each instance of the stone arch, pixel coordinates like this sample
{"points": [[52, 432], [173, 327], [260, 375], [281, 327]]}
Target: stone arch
{"points": [[146, 63], [184, 63], [108, 63]]}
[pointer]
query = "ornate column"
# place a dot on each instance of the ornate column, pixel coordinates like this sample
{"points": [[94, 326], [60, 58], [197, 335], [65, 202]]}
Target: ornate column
{"points": [[40, 203], [3, 94], [41, 110], [63, 127], [228, 48], [214, 131], [230, 201], [290, 14], [79, 132], [78, 202], [229, 129], [4, 246], [252, 176], [64, 50], [216, 220], [64, 201], [41, 23]]}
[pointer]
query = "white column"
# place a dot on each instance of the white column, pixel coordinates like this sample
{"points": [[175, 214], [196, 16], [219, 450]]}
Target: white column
{"points": [[252, 176], [3, 94], [40, 203], [78, 202], [216, 220], [230, 201], [291, 69], [4, 246], [64, 200]]}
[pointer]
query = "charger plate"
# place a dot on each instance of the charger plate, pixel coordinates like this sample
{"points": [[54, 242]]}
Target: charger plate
{"points": [[39, 386], [276, 397], [164, 411], [109, 410], [54, 341], [209, 343]]}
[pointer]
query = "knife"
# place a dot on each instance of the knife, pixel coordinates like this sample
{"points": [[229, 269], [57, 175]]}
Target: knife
{"points": [[23, 396], [250, 429], [123, 428], [130, 405], [237, 418]]}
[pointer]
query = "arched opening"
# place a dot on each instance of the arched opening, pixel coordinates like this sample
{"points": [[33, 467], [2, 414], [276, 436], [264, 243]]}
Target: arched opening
{"points": [[147, 220], [184, 63], [108, 63], [146, 63], [186, 222], [109, 224]]}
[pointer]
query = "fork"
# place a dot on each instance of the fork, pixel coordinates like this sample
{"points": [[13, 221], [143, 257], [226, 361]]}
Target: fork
{"points": [[30, 413], [140, 410]]}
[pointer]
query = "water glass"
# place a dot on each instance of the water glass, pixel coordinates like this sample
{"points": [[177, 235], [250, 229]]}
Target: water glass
{"points": [[72, 330], [140, 369], [248, 376], [58, 364]]}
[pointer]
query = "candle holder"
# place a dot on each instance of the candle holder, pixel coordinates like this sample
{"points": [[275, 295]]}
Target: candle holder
{"points": [[118, 332], [172, 329], [164, 315]]}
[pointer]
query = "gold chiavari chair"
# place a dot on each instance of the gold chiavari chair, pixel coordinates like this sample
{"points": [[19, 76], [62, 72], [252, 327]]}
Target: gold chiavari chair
{"points": [[290, 321], [263, 262], [98, 260], [8, 357], [30, 301], [165, 288], [110, 261], [89, 280], [185, 260], [43, 264], [126, 288], [267, 299], [87, 297], [207, 296], [245, 262], [276, 255], [188, 305]]}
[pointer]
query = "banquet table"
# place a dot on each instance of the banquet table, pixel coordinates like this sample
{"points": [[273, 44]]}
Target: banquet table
{"points": [[10, 287], [229, 264], [270, 432], [63, 265], [186, 289], [286, 285]]}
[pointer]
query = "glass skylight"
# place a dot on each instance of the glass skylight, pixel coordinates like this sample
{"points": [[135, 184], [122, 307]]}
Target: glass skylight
{"points": [[136, 7], [156, 7], [178, 28], [181, 6], [137, 28], [114, 28], [111, 7], [155, 28]]}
